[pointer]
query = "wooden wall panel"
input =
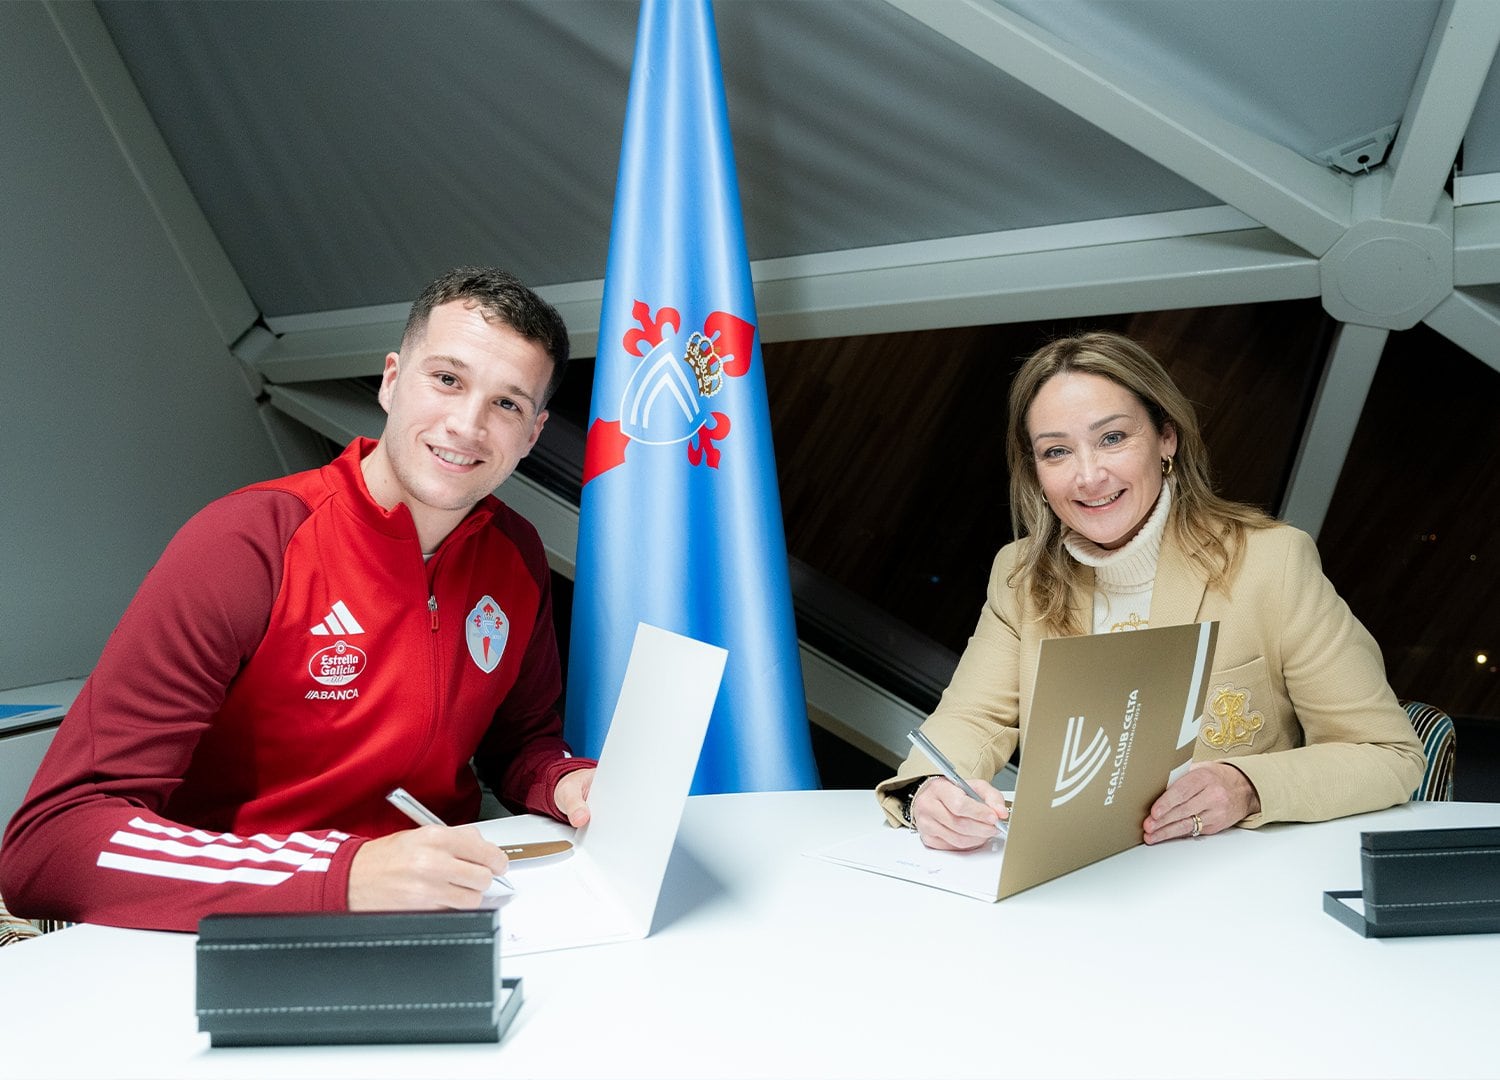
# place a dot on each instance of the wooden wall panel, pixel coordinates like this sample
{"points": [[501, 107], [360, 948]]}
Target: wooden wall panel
{"points": [[890, 449], [1411, 537]]}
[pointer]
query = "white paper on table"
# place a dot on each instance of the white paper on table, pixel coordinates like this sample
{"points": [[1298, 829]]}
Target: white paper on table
{"points": [[559, 903], [900, 853], [606, 888]]}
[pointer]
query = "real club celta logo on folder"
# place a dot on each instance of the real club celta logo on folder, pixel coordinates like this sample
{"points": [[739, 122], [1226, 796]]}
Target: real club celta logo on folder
{"points": [[1074, 769], [1141, 695]]}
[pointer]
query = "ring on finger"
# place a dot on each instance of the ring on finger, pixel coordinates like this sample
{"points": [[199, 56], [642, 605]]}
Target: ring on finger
{"points": [[1197, 826]]}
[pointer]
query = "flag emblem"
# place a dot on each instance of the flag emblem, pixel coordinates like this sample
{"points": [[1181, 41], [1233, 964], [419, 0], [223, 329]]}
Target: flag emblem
{"points": [[665, 400], [486, 629]]}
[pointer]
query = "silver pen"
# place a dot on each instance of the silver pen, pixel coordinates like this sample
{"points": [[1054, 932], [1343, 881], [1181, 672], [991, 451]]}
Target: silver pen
{"points": [[408, 804], [926, 745]]}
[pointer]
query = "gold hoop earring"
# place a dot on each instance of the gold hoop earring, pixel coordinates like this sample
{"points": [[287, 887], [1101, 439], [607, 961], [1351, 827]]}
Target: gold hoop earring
{"points": [[1166, 466]]}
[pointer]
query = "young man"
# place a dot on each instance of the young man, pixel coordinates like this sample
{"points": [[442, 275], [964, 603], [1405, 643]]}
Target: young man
{"points": [[307, 644]]}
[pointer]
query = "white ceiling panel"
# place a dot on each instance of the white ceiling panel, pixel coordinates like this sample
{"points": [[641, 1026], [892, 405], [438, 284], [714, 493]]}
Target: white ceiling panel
{"points": [[345, 152], [908, 164], [1308, 74]]}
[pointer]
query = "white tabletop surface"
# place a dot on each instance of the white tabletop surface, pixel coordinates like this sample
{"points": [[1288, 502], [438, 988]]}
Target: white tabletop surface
{"points": [[1198, 958]]}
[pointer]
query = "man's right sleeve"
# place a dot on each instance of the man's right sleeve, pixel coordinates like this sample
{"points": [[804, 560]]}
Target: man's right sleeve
{"points": [[89, 843]]}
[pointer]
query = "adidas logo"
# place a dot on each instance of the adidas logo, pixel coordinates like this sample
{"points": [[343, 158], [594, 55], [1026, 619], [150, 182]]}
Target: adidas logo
{"points": [[340, 622]]}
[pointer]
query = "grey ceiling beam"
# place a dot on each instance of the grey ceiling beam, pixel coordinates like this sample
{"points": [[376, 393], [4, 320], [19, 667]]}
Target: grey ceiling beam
{"points": [[856, 710], [1476, 244], [1147, 263], [1464, 39], [1470, 188], [329, 352], [1387, 273], [1241, 267], [1470, 318], [1398, 260], [1299, 199], [339, 411], [345, 344], [1335, 415], [353, 341], [145, 153]]}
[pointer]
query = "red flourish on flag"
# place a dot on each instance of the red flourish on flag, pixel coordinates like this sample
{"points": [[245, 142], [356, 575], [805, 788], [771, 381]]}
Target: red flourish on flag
{"points": [[703, 446], [722, 349], [605, 448], [650, 334], [733, 338]]}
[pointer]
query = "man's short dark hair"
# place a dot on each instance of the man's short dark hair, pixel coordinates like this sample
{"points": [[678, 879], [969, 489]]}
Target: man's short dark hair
{"points": [[500, 295]]}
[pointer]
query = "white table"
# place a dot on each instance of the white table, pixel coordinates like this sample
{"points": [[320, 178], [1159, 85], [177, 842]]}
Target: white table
{"points": [[1197, 958]]}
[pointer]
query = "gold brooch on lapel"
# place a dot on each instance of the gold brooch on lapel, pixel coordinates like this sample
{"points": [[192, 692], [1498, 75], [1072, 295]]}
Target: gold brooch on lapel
{"points": [[1236, 725]]}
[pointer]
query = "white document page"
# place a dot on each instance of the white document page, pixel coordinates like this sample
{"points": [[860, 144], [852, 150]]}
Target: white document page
{"points": [[559, 906], [606, 888], [900, 853]]}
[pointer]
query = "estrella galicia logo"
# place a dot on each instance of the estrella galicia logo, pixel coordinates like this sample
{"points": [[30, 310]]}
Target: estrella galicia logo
{"points": [[486, 630], [666, 398], [337, 664], [1078, 766]]}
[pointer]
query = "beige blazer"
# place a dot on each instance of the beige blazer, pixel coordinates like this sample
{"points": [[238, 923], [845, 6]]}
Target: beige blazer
{"points": [[1298, 700]]}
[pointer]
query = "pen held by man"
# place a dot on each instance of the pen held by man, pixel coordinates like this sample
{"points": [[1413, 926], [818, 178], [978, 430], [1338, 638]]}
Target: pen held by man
{"points": [[461, 875], [429, 867]]}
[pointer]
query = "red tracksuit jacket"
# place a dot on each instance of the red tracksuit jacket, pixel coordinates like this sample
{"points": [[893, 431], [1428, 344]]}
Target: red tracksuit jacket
{"points": [[288, 661]]}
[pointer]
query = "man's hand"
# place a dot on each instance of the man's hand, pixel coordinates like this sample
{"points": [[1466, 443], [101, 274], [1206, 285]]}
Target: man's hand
{"points": [[949, 820], [572, 796], [1212, 795], [423, 869]]}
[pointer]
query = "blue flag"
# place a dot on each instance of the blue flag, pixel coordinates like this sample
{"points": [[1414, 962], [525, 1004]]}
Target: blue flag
{"points": [[680, 522]]}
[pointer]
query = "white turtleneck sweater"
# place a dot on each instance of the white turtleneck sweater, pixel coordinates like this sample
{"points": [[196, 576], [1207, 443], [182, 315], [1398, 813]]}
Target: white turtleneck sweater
{"points": [[1123, 578]]}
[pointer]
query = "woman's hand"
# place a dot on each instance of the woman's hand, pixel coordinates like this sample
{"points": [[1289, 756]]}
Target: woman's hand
{"points": [[1211, 797], [948, 819]]}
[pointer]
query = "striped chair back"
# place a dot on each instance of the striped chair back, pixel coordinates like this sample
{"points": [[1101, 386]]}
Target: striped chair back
{"points": [[1435, 729], [13, 928]]}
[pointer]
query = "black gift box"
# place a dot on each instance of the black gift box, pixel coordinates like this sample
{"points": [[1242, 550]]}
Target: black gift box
{"points": [[1424, 881], [366, 977]]}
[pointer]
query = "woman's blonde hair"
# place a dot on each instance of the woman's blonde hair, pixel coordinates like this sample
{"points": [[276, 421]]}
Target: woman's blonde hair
{"points": [[1210, 529]]}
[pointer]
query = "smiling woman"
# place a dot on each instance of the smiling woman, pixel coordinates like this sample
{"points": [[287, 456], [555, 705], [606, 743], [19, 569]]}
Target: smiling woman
{"points": [[1102, 478], [1119, 528]]}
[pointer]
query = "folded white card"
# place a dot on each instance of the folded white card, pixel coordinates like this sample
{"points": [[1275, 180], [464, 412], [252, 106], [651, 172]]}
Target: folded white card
{"points": [[606, 888]]}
